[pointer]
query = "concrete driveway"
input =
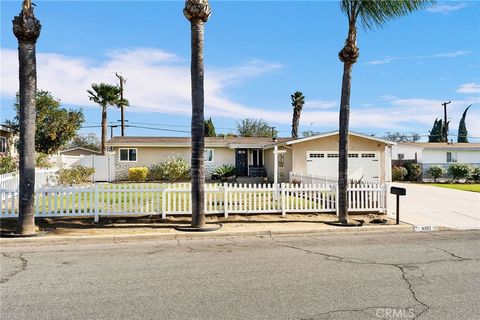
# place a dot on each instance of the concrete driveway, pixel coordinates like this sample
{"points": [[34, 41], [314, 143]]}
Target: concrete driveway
{"points": [[429, 205]]}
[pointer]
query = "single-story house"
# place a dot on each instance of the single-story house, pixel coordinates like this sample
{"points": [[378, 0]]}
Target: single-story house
{"points": [[437, 153], [8, 137], [79, 151], [369, 157]]}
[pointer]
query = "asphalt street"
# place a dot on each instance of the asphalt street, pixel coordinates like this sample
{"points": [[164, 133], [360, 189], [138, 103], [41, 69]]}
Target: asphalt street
{"points": [[331, 276]]}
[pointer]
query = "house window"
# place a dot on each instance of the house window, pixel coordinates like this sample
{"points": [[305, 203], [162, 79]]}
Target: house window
{"points": [[368, 155], [451, 157], [257, 158], [281, 160], [353, 155], [128, 155], [208, 155], [3, 145], [400, 156], [316, 155], [332, 155]]}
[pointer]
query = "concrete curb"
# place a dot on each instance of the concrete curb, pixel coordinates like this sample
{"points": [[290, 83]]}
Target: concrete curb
{"points": [[200, 235]]}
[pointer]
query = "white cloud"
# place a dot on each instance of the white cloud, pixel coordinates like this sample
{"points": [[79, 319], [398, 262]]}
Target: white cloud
{"points": [[452, 54], [471, 87], [159, 81], [446, 8], [321, 104], [156, 80]]}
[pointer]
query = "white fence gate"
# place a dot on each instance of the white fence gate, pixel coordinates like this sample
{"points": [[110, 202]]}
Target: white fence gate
{"points": [[104, 165], [174, 199]]}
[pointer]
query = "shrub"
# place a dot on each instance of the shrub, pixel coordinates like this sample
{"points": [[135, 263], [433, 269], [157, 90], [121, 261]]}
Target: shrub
{"points": [[436, 172], [475, 174], [8, 164], [75, 175], [138, 174], [42, 160], [398, 173], [172, 169], [414, 171], [225, 171], [459, 170]]}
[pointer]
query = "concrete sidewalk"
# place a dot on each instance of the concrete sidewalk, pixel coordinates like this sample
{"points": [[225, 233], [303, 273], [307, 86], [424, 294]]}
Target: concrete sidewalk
{"points": [[130, 232], [429, 205]]}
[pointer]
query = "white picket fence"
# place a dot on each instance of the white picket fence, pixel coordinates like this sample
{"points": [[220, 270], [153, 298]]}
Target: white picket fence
{"points": [[9, 181], [175, 199]]}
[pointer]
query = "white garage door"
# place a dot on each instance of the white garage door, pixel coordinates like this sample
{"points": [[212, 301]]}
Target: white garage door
{"points": [[363, 166]]}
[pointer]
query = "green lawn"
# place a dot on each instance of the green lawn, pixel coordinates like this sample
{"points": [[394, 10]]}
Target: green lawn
{"points": [[465, 187]]}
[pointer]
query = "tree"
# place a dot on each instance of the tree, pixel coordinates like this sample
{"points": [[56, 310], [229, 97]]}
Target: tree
{"points": [[402, 137], [436, 134], [209, 128], [54, 126], [462, 128], [87, 141], [197, 12], [372, 14], [310, 133], [105, 95], [255, 128], [26, 29], [298, 100]]}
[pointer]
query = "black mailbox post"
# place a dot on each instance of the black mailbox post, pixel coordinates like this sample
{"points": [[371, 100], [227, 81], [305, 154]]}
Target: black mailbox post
{"points": [[399, 192]]}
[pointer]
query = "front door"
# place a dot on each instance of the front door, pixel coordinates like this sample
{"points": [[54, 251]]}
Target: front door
{"points": [[241, 162]]}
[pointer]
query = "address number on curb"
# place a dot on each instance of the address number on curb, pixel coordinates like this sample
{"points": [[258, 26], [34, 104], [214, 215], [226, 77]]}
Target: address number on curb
{"points": [[424, 228]]}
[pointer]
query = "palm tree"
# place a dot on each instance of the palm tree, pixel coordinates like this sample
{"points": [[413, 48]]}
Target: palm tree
{"points": [[105, 95], [197, 12], [372, 14], [26, 29], [298, 100]]}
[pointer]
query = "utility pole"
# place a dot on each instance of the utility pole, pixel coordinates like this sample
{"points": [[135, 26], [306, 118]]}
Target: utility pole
{"points": [[445, 123], [122, 114]]}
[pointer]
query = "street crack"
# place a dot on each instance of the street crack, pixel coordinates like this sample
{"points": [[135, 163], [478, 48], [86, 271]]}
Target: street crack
{"points": [[22, 267]]}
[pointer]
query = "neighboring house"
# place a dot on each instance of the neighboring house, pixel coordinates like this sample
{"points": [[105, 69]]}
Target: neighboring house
{"points": [[316, 155], [79, 151], [441, 154], [8, 138]]}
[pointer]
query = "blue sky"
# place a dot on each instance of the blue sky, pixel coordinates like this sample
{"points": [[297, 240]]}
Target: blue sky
{"points": [[256, 53]]}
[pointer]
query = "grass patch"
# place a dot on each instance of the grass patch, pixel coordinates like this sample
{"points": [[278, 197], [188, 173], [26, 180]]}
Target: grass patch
{"points": [[458, 186]]}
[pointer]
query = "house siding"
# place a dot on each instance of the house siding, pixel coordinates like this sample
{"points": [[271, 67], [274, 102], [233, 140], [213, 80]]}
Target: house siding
{"points": [[331, 144], [148, 156]]}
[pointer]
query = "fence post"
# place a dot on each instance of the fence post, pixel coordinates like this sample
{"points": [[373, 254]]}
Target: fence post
{"points": [[164, 203], [225, 199], [336, 198], [282, 198], [96, 197]]}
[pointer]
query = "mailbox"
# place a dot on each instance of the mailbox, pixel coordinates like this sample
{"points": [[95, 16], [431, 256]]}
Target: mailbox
{"points": [[398, 191]]}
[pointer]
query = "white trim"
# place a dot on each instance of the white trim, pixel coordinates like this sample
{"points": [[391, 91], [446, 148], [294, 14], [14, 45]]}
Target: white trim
{"points": [[81, 148], [128, 153], [328, 134]]}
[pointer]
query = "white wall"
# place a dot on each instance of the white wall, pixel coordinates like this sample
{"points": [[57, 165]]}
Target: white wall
{"points": [[440, 156], [409, 152]]}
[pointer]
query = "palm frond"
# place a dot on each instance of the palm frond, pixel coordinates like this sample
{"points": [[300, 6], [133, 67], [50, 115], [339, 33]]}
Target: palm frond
{"points": [[375, 13]]}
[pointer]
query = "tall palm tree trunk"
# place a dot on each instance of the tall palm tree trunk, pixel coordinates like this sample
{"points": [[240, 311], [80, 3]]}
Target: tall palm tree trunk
{"points": [[295, 123], [348, 55], [104, 130], [344, 120], [198, 133], [27, 30]]}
